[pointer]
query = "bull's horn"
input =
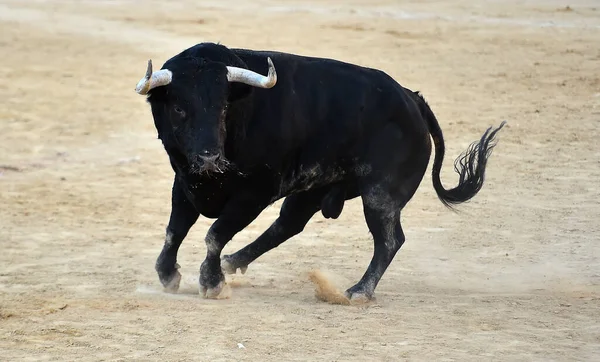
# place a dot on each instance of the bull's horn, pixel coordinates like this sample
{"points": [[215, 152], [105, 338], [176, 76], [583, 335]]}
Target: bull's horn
{"points": [[153, 79], [249, 77]]}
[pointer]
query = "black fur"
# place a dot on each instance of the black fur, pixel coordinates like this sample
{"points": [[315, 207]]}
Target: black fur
{"points": [[327, 132]]}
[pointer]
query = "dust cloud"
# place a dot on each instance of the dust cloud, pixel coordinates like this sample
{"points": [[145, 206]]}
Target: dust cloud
{"points": [[325, 290]]}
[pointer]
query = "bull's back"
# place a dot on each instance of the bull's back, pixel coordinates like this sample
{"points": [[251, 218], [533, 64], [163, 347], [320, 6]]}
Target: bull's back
{"points": [[316, 98], [320, 116]]}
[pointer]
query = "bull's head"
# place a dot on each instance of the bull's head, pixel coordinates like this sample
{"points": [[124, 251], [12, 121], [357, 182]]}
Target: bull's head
{"points": [[189, 101]]}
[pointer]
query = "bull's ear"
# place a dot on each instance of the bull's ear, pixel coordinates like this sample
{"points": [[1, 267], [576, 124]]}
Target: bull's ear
{"points": [[238, 91]]}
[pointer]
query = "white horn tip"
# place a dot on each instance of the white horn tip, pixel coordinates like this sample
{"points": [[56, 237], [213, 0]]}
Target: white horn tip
{"points": [[143, 85], [272, 75]]}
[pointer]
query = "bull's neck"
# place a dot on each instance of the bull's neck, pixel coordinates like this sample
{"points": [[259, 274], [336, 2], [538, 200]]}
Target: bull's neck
{"points": [[237, 123]]}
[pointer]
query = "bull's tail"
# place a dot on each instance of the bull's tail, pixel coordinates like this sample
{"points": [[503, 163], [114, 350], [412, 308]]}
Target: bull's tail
{"points": [[470, 165]]}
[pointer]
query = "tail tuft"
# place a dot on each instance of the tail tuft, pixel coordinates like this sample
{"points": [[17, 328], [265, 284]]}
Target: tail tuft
{"points": [[470, 165]]}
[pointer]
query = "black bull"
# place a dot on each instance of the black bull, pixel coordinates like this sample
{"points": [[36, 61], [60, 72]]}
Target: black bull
{"points": [[315, 131]]}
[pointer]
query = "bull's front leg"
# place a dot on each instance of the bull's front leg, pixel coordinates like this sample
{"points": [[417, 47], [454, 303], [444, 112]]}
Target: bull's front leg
{"points": [[183, 217], [238, 213]]}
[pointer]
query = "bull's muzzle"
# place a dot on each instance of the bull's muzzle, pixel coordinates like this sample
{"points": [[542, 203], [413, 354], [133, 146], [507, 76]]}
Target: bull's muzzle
{"points": [[208, 162]]}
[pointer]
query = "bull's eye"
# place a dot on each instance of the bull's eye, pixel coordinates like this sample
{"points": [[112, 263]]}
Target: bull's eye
{"points": [[179, 111]]}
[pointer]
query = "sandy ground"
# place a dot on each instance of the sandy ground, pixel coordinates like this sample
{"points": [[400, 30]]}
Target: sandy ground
{"points": [[85, 188]]}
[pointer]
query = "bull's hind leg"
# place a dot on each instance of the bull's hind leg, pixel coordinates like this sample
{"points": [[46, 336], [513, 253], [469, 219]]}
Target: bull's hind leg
{"points": [[383, 219], [383, 199], [382, 213], [295, 213]]}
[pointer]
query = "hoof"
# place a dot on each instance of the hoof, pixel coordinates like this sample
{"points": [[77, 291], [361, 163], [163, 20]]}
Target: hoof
{"points": [[171, 283], [172, 286], [229, 268], [359, 297], [221, 291]]}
